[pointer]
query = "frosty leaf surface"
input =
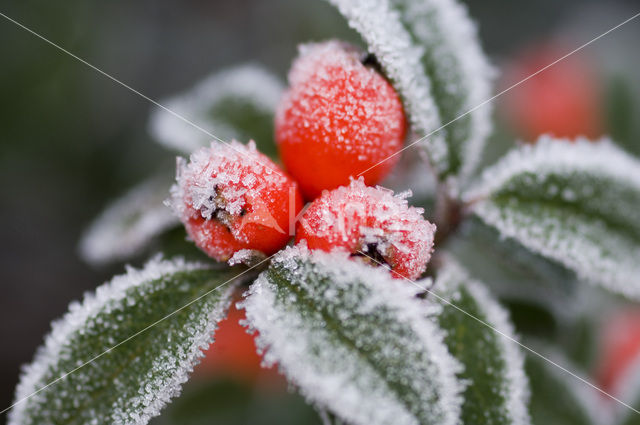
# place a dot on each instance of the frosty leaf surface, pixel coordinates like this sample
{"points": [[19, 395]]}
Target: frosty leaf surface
{"points": [[133, 381], [127, 225], [459, 71], [514, 273], [573, 202], [354, 340], [430, 51], [497, 390], [236, 103]]}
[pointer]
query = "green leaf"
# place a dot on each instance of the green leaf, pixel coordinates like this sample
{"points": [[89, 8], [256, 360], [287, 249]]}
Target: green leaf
{"points": [[211, 400], [129, 224], [123, 353], [354, 340], [430, 51], [514, 273], [497, 391], [573, 202], [558, 398], [236, 103]]}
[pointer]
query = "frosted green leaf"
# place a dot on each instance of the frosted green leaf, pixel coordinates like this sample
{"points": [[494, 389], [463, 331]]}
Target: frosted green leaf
{"points": [[514, 273], [573, 202], [129, 224], [498, 390], [133, 381], [236, 103], [430, 51], [459, 71], [355, 341]]}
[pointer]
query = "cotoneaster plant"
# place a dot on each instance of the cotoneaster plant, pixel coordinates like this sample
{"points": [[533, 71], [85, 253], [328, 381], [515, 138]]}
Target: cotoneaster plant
{"points": [[376, 310]]}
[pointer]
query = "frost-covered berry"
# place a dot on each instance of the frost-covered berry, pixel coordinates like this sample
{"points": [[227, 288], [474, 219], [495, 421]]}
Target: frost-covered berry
{"points": [[370, 223], [338, 118], [231, 198]]}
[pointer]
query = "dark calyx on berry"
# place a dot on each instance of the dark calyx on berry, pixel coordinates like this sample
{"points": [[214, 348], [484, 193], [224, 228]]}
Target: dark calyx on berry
{"points": [[371, 61], [372, 254]]}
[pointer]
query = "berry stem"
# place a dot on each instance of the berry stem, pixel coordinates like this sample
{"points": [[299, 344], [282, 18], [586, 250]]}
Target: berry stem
{"points": [[448, 214]]}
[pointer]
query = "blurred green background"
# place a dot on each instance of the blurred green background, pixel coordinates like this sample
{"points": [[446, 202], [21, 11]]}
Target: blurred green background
{"points": [[71, 139]]}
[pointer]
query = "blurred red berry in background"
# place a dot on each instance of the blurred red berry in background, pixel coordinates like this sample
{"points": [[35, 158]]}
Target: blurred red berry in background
{"points": [[619, 349], [233, 353], [564, 100]]}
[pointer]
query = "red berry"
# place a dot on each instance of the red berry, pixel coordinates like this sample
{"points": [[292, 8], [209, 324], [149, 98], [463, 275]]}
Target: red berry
{"points": [[563, 100], [372, 223], [620, 347], [232, 198], [338, 119]]}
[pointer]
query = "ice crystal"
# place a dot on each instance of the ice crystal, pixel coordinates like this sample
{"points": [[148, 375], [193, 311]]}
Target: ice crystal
{"points": [[353, 340], [207, 103], [460, 72], [431, 52], [126, 227], [574, 202], [219, 181], [358, 216], [340, 103], [122, 379], [507, 399], [381, 26]]}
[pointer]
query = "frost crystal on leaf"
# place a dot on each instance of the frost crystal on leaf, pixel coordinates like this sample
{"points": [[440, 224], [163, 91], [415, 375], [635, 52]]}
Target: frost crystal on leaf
{"points": [[382, 28], [498, 391], [460, 73], [353, 340], [129, 383], [431, 52], [574, 202], [129, 224], [249, 90]]}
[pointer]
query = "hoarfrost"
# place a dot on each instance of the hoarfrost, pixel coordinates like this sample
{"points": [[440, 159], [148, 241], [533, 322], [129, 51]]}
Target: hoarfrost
{"points": [[219, 181], [354, 340], [161, 383], [126, 227], [515, 391], [335, 102], [430, 50], [246, 256], [381, 26], [249, 83], [462, 75], [574, 202], [357, 216]]}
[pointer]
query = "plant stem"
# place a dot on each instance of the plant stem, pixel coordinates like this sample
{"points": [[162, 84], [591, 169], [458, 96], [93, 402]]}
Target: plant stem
{"points": [[448, 214]]}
